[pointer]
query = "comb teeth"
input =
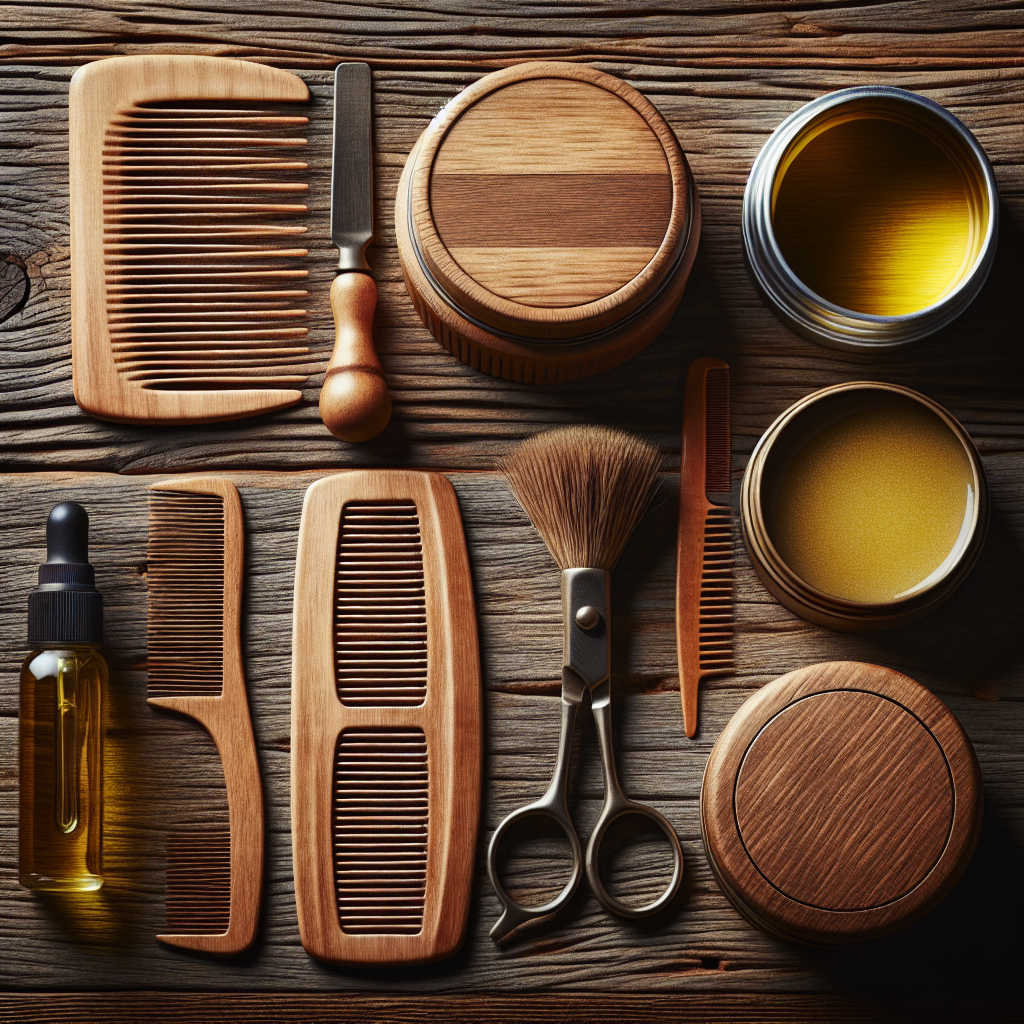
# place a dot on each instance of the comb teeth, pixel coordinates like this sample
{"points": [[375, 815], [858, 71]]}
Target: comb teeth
{"points": [[198, 883], [380, 614], [718, 434], [716, 593], [185, 575], [380, 830], [195, 250]]}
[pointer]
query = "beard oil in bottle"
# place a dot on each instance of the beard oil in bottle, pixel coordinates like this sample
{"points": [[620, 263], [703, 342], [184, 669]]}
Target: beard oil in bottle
{"points": [[63, 685]]}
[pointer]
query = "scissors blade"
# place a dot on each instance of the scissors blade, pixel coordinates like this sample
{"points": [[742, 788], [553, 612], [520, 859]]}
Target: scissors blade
{"points": [[587, 641]]}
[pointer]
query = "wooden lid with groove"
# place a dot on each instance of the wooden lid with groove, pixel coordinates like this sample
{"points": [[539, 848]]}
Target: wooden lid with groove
{"points": [[841, 802], [549, 201]]}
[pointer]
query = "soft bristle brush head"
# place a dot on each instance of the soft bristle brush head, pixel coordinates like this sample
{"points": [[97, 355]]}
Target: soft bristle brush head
{"points": [[718, 432], [185, 576], [585, 489]]}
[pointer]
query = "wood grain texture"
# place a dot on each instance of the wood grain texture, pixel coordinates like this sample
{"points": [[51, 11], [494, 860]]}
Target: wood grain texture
{"points": [[723, 77], [840, 803], [143, 160], [447, 415], [160, 769], [363, 532], [566, 122], [191, 599]]}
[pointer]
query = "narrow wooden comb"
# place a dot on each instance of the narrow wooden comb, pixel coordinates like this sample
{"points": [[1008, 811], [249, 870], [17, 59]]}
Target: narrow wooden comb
{"points": [[195, 560], [185, 280], [386, 719], [704, 556]]}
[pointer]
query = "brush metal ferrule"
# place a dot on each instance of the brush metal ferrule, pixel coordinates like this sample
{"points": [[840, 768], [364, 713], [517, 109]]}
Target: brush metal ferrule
{"points": [[586, 651]]}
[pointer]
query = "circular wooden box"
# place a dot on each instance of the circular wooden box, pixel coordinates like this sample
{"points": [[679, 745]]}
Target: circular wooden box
{"points": [[547, 222], [841, 803]]}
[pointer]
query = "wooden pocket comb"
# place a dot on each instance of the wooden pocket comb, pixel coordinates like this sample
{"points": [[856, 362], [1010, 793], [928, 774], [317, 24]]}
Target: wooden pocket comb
{"points": [[185, 284], [704, 555], [386, 719], [195, 557]]}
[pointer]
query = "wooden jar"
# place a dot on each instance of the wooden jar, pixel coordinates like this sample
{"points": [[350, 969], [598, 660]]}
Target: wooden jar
{"points": [[547, 222], [841, 803], [764, 470]]}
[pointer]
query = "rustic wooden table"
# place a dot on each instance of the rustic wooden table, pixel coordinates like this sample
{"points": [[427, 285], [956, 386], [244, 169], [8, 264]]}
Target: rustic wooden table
{"points": [[724, 76]]}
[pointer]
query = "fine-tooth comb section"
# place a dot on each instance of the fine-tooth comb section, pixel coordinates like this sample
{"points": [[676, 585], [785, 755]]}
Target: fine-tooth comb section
{"points": [[185, 570], [380, 830], [718, 435], [198, 882], [194, 576], [380, 614], [187, 226], [186, 192], [716, 593]]}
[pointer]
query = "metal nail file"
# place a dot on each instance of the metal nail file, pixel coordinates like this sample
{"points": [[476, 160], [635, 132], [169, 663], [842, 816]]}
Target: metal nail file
{"points": [[354, 400]]}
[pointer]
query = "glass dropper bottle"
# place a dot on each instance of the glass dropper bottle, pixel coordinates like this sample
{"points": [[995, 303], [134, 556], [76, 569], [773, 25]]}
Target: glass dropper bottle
{"points": [[63, 684]]}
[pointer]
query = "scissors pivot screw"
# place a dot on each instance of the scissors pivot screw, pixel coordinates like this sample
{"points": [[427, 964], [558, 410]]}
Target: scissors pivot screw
{"points": [[588, 617]]}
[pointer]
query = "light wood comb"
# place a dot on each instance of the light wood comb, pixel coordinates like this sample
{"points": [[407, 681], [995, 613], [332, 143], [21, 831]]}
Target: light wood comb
{"points": [[704, 555], [386, 719], [194, 575], [186, 288]]}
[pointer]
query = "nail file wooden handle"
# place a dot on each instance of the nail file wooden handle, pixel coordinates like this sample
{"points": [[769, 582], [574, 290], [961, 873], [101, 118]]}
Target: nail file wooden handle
{"points": [[704, 546], [224, 715], [386, 720], [354, 401]]}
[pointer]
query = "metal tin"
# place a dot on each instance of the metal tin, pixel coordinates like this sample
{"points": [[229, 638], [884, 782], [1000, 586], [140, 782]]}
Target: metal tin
{"points": [[762, 474], [802, 309]]}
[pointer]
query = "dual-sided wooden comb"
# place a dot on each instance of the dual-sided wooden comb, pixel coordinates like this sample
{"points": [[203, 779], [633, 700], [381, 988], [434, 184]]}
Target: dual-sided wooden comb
{"points": [[186, 283], [194, 574], [704, 556], [386, 719]]}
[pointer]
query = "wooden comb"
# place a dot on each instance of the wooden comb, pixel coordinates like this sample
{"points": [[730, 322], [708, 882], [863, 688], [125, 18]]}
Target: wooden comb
{"points": [[185, 283], [704, 555], [195, 559], [386, 719]]}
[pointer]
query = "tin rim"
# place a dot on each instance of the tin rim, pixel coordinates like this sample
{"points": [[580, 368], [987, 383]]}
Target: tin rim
{"points": [[812, 315]]}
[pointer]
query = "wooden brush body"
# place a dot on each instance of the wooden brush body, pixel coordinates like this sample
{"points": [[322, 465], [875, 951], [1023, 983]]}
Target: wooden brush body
{"points": [[188, 623], [184, 269], [386, 719], [704, 555]]}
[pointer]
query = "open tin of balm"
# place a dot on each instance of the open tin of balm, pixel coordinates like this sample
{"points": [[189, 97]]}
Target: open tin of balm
{"points": [[870, 218], [840, 803], [864, 505], [547, 222]]}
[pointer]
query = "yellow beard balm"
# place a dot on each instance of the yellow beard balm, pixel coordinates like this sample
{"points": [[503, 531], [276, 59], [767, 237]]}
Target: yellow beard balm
{"points": [[864, 505], [870, 218]]}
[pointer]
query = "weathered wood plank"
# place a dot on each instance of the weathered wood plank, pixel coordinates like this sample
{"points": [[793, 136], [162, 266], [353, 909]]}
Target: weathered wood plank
{"points": [[489, 33], [160, 767], [450, 416]]}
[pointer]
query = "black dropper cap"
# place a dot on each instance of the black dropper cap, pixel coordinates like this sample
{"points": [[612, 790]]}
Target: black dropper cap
{"points": [[66, 607]]}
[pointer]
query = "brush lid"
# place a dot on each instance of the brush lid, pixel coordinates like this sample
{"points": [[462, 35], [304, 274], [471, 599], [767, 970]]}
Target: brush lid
{"points": [[66, 607], [841, 803], [549, 201]]}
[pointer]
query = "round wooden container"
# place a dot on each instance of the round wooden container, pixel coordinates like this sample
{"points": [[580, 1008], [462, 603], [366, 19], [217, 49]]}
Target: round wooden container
{"points": [[841, 803], [547, 222], [767, 463]]}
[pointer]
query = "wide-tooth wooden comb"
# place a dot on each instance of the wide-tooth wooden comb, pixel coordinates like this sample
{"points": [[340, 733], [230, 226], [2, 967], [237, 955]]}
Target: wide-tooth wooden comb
{"points": [[194, 574], [704, 555], [386, 719], [186, 284]]}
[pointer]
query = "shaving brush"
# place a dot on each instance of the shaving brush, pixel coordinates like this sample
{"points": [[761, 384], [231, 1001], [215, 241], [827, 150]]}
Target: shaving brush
{"points": [[584, 489]]}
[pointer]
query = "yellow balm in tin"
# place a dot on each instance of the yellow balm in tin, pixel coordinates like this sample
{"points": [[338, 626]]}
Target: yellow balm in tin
{"points": [[872, 506]]}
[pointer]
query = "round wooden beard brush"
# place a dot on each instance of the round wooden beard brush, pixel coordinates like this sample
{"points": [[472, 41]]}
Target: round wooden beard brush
{"points": [[585, 489]]}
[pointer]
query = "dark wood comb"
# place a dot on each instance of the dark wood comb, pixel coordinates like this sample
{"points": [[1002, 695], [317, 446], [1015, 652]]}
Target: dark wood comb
{"points": [[704, 555]]}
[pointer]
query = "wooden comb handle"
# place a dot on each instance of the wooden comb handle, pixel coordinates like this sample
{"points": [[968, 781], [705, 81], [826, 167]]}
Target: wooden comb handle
{"points": [[354, 401]]}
